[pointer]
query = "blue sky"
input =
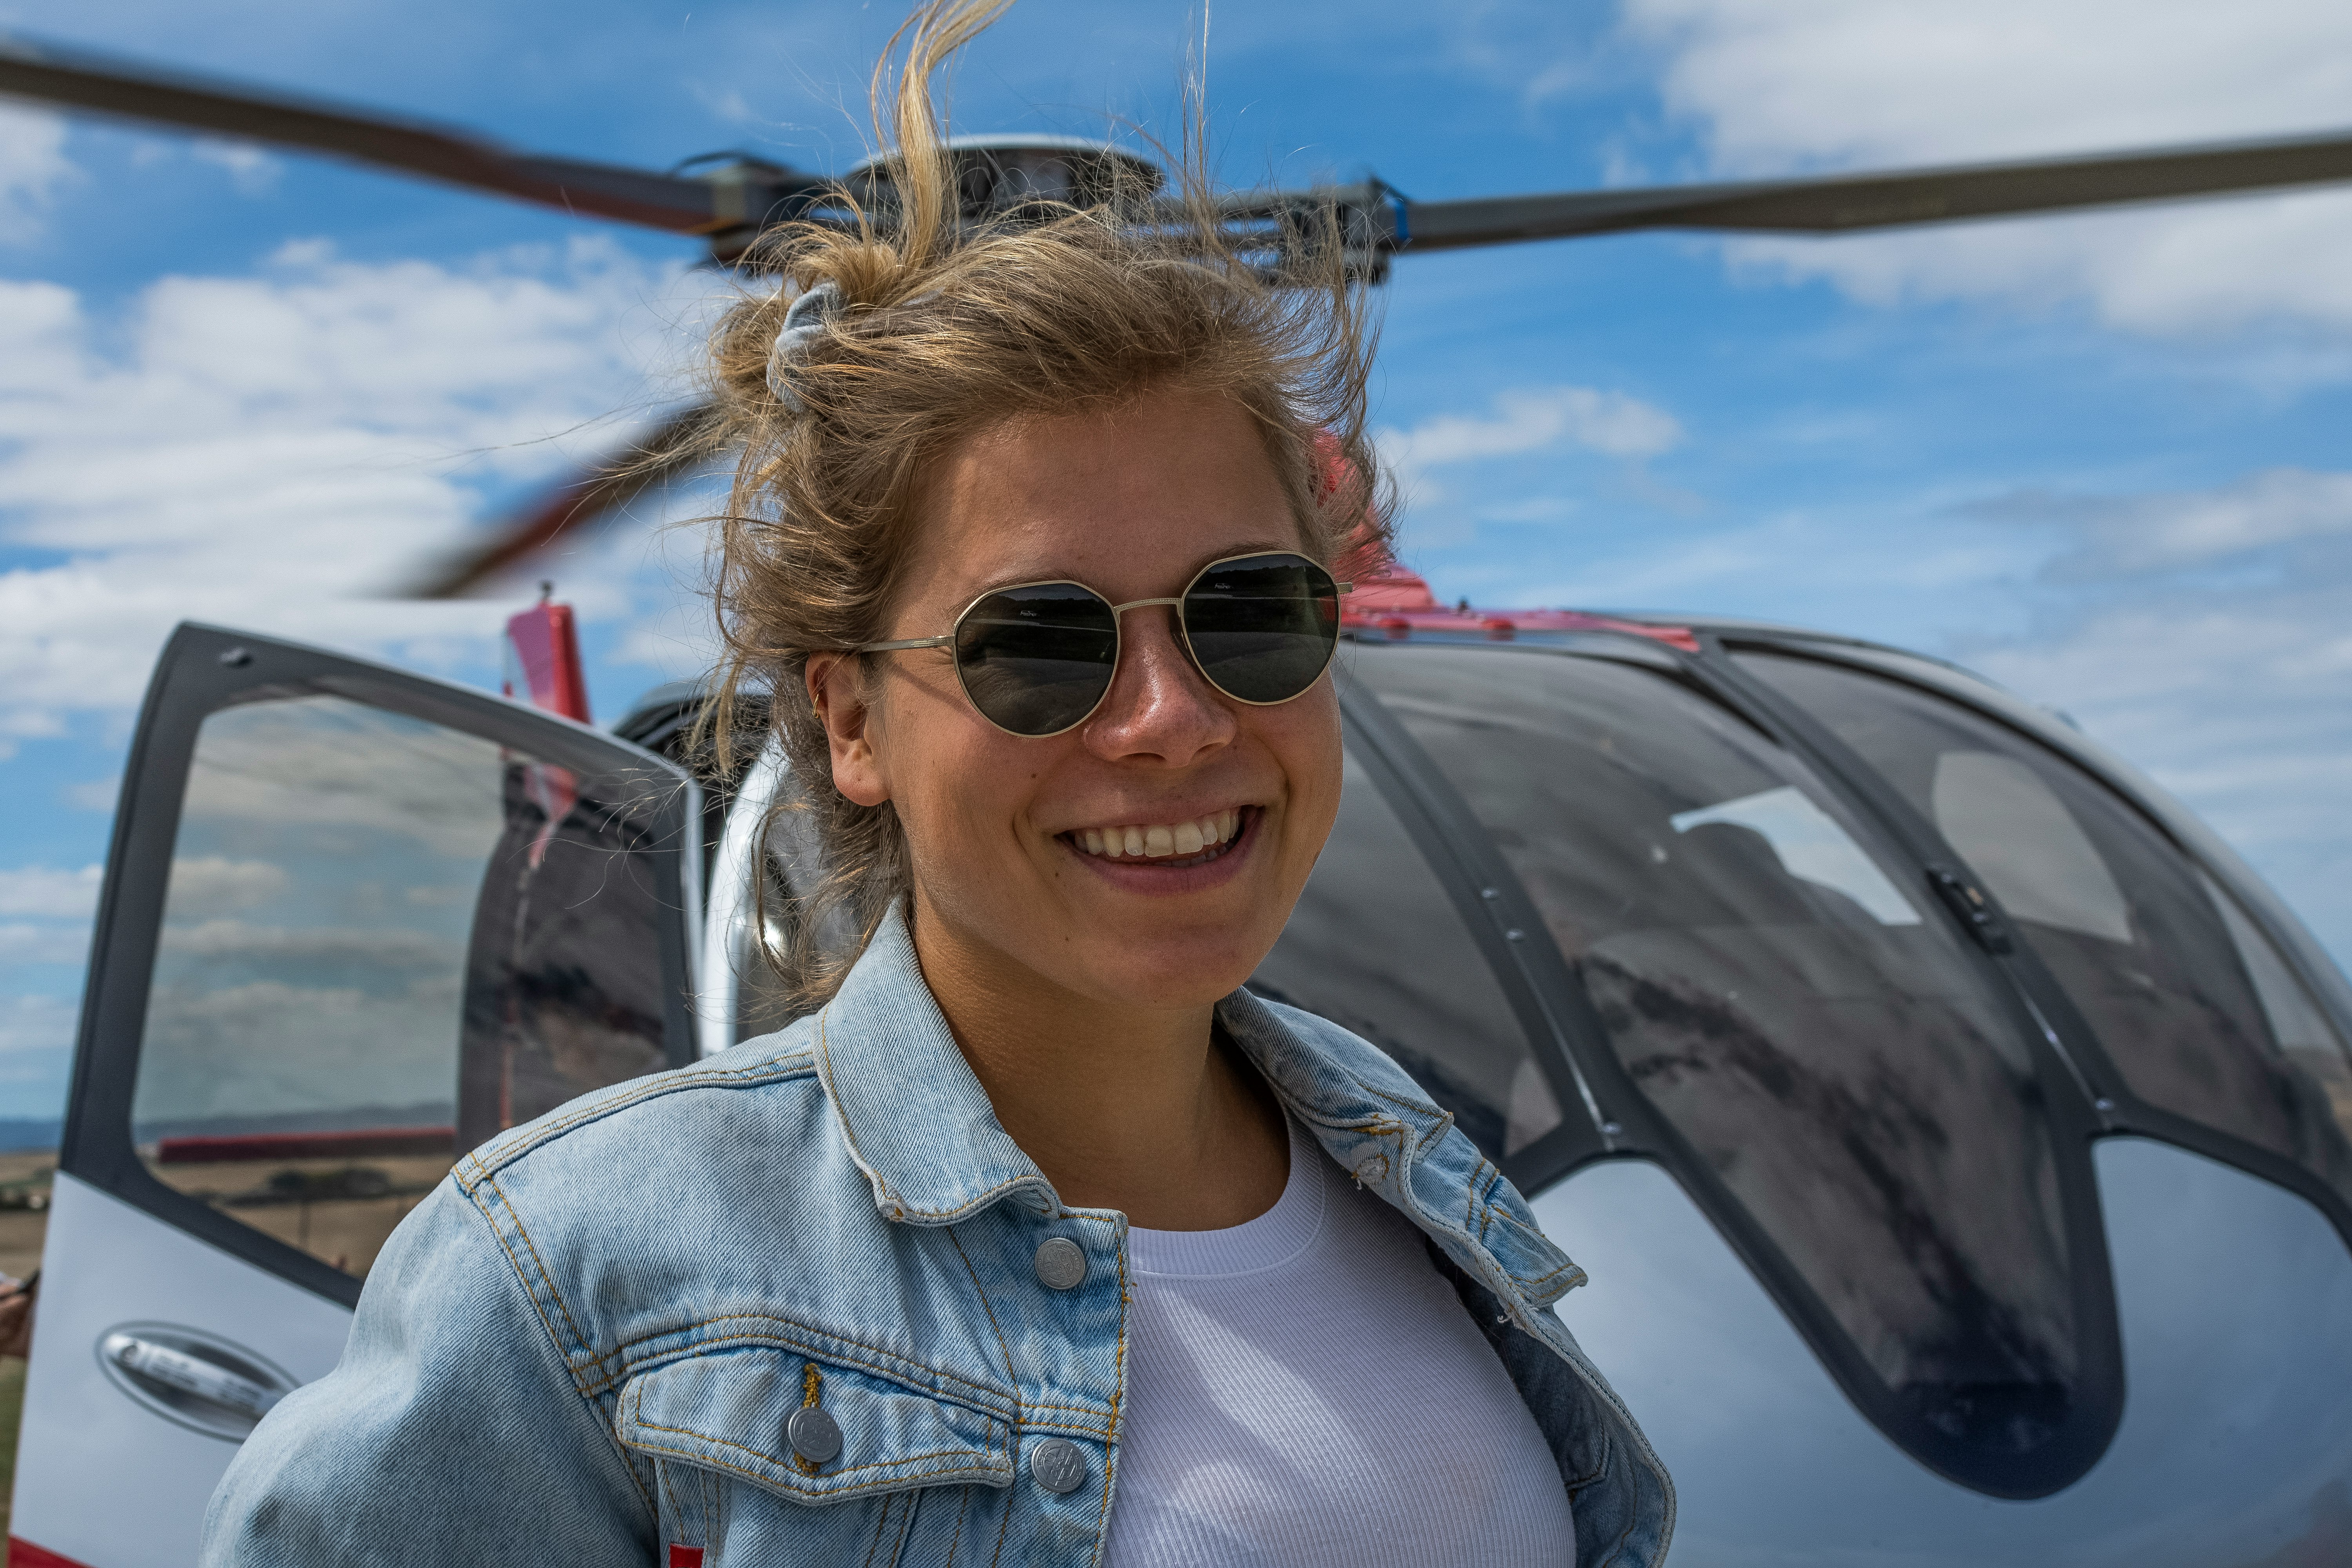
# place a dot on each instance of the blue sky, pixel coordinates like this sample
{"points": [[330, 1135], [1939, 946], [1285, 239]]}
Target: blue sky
{"points": [[2103, 457]]}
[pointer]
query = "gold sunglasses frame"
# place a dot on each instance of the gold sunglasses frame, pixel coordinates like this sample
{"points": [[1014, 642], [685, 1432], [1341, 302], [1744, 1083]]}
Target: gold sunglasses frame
{"points": [[1184, 638]]}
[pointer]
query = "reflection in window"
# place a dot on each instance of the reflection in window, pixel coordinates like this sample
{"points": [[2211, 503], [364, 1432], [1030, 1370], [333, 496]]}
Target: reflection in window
{"points": [[1811, 847], [2201, 1015], [376, 952], [1831, 1057], [2031, 855], [1442, 1017]]}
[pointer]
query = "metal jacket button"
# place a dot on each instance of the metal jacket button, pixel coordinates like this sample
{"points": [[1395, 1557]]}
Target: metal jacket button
{"points": [[814, 1435], [1058, 1465], [1061, 1266]]}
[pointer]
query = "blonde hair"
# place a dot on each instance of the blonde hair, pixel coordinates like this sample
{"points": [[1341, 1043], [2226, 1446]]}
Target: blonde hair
{"points": [[950, 323]]}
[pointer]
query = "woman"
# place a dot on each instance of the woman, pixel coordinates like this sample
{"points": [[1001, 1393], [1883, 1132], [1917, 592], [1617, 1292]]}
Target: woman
{"points": [[1038, 1240]]}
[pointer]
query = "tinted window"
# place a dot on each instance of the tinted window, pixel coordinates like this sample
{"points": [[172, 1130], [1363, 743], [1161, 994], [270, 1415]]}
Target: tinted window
{"points": [[1768, 980], [2197, 1010], [382, 941], [1375, 946]]}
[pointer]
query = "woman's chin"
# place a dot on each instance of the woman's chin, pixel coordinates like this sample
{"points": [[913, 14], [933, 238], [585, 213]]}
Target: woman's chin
{"points": [[1173, 974]]}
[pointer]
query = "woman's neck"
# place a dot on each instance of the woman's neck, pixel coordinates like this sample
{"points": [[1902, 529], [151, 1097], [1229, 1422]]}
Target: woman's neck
{"points": [[1127, 1107]]}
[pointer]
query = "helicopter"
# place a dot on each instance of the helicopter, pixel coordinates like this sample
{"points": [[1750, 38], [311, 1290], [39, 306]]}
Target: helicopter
{"points": [[1955, 1129]]}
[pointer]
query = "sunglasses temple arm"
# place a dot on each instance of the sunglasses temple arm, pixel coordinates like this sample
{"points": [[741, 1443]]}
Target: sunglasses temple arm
{"points": [[904, 643]]}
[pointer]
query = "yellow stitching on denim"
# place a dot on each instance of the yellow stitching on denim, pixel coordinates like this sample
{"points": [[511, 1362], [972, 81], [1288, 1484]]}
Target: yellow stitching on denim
{"points": [[520, 1229], [962, 1507], [913, 1498], [991, 1409], [1003, 1523], [661, 1480], [807, 1328], [1118, 1388], [880, 1526], [765, 1479], [774, 1318], [812, 1382], [540, 1312], [709, 1507], [1102, 1527], [829, 1352], [724, 1078], [1567, 1264], [628, 1459], [1093, 1432], [899, 1462]]}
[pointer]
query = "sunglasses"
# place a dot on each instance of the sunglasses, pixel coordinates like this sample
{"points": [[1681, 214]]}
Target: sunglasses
{"points": [[1036, 658]]}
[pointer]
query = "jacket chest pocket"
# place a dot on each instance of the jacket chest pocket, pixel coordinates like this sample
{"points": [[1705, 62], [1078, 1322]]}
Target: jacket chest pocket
{"points": [[763, 1456]]}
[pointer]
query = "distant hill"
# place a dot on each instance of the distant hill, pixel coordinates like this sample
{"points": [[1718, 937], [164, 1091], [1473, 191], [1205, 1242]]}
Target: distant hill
{"points": [[19, 1133]]}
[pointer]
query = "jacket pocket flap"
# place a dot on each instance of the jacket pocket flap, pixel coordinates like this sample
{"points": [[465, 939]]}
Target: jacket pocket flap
{"points": [[729, 1412]]}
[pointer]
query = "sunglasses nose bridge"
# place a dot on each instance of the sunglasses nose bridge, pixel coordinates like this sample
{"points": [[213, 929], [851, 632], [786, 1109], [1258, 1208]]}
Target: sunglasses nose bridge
{"points": [[1174, 600]]}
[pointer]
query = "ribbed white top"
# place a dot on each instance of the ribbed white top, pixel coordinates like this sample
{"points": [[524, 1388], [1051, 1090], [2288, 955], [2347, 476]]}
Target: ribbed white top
{"points": [[1306, 1391]]}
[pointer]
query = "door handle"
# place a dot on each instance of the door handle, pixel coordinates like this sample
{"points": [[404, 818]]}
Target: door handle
{"points": [[161, 1369]]}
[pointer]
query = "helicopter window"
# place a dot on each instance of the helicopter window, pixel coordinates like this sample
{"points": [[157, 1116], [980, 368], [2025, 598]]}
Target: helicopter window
{"points": [[375, 952], [1835, 1061], [1443, 1017], [2198, 1011], [1810, 847]]}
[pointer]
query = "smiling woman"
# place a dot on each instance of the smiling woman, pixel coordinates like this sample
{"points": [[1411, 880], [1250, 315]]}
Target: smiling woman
{"points": [[1029, 570]]}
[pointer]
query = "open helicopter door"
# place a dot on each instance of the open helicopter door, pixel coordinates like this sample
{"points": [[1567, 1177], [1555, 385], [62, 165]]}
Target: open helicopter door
{"points": [[354, 922]]}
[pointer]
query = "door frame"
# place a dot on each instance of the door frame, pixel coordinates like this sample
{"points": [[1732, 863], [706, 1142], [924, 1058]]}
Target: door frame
{"points": [[203, 670]]}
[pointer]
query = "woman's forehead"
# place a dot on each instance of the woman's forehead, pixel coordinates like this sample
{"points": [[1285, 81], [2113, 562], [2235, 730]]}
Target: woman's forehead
{"points": [[1124, 498]]}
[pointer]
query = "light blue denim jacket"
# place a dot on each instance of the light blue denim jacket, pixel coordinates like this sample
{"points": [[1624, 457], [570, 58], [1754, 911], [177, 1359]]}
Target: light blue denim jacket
{"points": [[584, 1348]]}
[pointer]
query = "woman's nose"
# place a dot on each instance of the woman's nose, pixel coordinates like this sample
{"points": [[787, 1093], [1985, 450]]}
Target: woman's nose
{"points": [[1158, 706]]}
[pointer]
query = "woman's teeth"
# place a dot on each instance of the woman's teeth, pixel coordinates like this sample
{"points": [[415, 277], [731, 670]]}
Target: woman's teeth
{"points": [[1160, 840]]}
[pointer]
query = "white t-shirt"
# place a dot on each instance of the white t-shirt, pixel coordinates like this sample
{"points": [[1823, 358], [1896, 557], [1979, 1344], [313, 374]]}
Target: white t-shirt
{"points": [[1305, 1389]]}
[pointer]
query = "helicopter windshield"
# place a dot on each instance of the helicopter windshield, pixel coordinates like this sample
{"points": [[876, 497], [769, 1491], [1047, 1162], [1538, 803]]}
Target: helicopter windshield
{"points": [[2196, 1009], [1838, 1063]]}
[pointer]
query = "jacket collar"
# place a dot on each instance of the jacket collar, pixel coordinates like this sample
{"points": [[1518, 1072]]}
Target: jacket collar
{"points": [[917, 1122]]}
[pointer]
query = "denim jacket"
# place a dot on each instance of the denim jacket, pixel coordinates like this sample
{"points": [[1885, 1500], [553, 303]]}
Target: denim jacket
{"points": [[586, 1346]]}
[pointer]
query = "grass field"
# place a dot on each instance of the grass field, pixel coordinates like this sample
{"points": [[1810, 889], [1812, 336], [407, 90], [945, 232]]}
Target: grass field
{"points": [[12, 1410], [22, 1231]]}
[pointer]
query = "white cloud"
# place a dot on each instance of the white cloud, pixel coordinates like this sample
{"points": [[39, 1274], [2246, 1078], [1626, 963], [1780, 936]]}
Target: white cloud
{"points": [[217, 883], [32, 165], [262, 450], [2128, 535], [379, 947], [23, 941], [1800, 85], [35, 1024], [250, 170], [1534, 419], [49, 893]]}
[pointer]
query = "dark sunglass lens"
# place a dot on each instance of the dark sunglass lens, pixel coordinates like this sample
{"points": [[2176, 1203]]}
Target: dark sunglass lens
{"points": [[1036, 659], [1263, 626]]}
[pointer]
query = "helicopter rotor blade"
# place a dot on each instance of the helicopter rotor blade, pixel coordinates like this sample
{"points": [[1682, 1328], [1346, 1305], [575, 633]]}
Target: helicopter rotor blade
{"points": [[1842, 203], [675, 447], [95, 85]]}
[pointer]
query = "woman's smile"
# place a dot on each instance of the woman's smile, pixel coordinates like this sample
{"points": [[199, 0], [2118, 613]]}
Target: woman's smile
{"points": [[1189, 855]]}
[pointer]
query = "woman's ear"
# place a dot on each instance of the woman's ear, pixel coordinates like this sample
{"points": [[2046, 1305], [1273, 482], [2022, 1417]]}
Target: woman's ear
{"points": [[836, 689]]}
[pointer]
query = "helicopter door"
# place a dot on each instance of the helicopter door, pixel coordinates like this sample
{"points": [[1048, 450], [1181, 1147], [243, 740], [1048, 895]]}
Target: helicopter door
{"points": [[354, 922]]}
